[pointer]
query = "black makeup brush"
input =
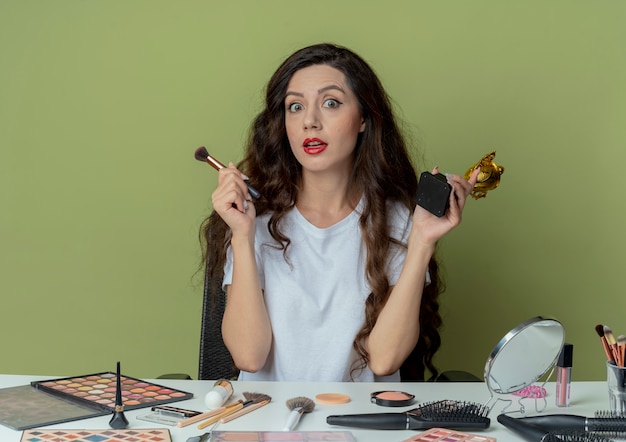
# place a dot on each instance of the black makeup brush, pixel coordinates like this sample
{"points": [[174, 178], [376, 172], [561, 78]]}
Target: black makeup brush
{"points": [[298, 406], [605, 345], [457, 415], [201, 154], [118, 421]]}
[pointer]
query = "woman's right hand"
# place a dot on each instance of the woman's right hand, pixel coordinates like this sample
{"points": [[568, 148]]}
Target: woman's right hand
{"points": [[232, 201]]}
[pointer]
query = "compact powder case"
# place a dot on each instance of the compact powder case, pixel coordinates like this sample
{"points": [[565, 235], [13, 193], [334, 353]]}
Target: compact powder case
{"points": [[392, 398]]}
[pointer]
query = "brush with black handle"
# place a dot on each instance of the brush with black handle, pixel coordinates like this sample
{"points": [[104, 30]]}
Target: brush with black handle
{"points": [[455, 415]]}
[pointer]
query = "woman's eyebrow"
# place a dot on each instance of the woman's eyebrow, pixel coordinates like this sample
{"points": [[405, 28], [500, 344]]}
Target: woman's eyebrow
{"points": [[319, 91], [331, 87]]}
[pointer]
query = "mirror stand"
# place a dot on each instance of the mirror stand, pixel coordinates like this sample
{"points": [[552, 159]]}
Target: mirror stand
{"points": [[521, 358]]}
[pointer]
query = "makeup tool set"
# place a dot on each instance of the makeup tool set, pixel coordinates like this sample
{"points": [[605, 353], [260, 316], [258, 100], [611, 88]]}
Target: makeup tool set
{"points": [[533, 348], [615, 351], [567, 427], [227, 413]]}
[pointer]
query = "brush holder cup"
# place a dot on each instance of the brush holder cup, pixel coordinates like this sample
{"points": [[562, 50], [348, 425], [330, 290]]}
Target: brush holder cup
{"points": [[616, 382]]}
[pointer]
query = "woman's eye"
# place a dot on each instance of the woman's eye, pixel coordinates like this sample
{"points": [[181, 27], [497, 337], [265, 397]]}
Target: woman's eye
{"points": [[294, 107], [331, 103]]}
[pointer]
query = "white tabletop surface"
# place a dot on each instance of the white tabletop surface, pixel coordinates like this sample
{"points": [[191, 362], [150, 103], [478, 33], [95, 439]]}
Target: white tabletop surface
{"points": [[586, 398]]}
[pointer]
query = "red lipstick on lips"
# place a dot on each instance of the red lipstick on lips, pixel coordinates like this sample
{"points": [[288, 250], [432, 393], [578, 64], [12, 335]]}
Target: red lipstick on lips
{"points": [[314, 146]]}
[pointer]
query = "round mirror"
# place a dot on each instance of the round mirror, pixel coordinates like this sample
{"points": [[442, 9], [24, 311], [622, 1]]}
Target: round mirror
{"points": [[524, 354]]}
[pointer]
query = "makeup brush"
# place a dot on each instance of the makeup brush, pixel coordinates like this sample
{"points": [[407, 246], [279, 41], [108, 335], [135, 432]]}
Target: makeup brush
{"points": [[610, 339], [256, 397], [258, 400], [605, 345], [230, 409], [200, 417], [201, 154], [298, 406], [621, 350], [118, 421], [253, 401]]}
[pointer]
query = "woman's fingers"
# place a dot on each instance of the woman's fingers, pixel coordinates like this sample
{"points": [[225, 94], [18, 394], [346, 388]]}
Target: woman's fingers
{"points": [[232, 189]]}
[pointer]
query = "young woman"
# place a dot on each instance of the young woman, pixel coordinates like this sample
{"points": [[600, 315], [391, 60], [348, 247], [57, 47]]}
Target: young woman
{"points": [[327, 274]]}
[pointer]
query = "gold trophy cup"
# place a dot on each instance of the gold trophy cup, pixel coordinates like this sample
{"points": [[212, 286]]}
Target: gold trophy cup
{"points": [[488, 177]]}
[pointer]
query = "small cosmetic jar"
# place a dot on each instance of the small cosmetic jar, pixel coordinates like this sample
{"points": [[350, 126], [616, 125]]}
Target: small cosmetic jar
{"points": [[392, 398]]}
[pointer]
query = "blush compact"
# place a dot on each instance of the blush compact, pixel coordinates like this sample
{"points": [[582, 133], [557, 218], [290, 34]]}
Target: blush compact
{"points": [[391, 398]]}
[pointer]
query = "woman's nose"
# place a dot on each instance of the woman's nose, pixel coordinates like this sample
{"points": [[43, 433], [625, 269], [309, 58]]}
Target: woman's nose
{"points": [[311, 119]]}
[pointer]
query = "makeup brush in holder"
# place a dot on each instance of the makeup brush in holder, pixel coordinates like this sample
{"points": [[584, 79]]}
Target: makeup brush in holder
{"points": [[118, 421]]}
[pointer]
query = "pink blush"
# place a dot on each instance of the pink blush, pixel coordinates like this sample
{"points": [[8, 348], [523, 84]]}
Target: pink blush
{"points": [[393, 396]]}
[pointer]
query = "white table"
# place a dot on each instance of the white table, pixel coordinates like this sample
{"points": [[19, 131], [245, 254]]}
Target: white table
{"points": [[587, 397]]}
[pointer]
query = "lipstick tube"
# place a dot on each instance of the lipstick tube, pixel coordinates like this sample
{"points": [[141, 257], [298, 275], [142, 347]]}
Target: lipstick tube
{"points": [[564, 375]]}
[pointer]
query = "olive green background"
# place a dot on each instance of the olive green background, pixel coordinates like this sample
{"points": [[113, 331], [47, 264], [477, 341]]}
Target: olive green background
{"points": [[102, 104]]}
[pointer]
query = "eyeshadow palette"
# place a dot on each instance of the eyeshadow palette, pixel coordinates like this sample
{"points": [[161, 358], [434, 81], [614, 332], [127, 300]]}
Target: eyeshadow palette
{"points": [[26, 407], [96, 435], [98, 390], [445, 435], [68, 399], [281, 436]]}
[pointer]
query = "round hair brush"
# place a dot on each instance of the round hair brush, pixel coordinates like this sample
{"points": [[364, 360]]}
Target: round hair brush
{"points": [[298, 406]]}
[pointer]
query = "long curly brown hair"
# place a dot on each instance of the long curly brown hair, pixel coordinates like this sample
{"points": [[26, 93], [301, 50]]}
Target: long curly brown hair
{"points": [[382, 171]]}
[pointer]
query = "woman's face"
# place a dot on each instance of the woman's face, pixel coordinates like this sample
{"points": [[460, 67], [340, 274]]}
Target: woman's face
{"points": [[322, 119]]}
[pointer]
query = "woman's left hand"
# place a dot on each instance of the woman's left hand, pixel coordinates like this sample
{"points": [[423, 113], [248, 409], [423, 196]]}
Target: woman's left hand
{"points": [[431, 227]]}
